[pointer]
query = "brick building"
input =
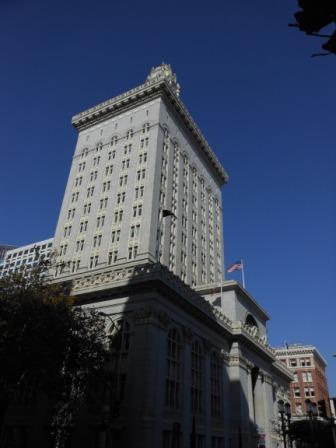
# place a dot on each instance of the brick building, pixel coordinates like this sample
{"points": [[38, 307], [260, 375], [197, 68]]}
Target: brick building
{"points": [[310, 382]]}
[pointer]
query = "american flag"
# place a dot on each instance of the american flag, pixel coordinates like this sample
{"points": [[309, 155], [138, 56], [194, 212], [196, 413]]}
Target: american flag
{"points": [[237, 266]]}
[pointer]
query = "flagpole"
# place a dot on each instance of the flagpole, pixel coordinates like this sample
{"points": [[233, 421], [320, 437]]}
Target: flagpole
{"points": [[221, 293], [243, 273]]}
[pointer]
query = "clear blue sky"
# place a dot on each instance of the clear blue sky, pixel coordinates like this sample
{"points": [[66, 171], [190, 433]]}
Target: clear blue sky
{"points": [[264, 105]]}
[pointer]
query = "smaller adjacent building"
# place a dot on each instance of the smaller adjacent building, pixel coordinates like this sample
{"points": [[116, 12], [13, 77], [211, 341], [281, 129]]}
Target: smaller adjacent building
{"points": [[310, 382], [24, 256], [4, 248]]}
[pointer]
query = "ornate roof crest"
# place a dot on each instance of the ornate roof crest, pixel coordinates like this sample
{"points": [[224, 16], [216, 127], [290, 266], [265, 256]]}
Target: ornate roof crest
{"points": [[161, 72]]}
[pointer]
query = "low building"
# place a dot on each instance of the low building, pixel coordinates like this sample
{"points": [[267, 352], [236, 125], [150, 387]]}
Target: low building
{"points": [[310, 382], [3, 250], [25, 256]]}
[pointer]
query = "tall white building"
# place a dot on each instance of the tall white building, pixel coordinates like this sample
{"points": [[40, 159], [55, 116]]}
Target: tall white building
{"points": [[190, 362], [136, 155]]}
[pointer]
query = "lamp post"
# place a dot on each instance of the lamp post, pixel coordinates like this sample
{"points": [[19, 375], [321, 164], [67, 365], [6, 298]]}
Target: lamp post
{"points": [[281, 408], [310, 412], [288, 415], [107, 409]]}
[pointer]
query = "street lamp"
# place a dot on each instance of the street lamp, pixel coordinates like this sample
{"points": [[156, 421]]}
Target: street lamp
{"points": [[288, 415], [281, 408]]}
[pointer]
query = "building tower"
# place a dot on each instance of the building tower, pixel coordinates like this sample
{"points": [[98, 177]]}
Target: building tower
{"points": [[310, 381], [138, 154]]}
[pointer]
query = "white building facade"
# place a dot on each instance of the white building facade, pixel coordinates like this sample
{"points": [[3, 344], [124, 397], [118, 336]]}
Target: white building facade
{"points": [[137, 155], [25, 257]]}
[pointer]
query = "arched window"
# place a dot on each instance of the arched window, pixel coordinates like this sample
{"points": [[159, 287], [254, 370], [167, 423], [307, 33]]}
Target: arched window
{"points": [[215, 384], [196, 390], [252, 323], [173, 375], [120, 343]]}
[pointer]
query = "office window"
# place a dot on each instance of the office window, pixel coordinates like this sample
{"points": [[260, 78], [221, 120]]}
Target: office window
{"points": [[115, 236], [144, 142], [129, 134], [118, 216], [75, 265], [99, 147], [142, 158], [145, 128], [87, 208], [103, 203], [137, 210], [139, 192], [106, 186], [108, 170], [125, 164], [93, 175], [121, 197], [83, 226], [297, 392], [135, 231], [93, 261], [96, 161], [123, 180], [97, 239], [114, 140], [132, 252], [100, 221], [89, 192], [112, 256], [111, 155]]}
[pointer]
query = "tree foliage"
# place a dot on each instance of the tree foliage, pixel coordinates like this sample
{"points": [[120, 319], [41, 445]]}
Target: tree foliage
{"points": [[313, 17], [46, 339]]}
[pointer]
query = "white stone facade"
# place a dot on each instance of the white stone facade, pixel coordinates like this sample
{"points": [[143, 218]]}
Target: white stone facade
{"points": [[221, 373], [137, 155]]}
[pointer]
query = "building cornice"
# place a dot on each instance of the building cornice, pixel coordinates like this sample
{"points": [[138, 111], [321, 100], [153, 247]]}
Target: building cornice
{"points": [[101, 284], [144, 93], [300, 350]]}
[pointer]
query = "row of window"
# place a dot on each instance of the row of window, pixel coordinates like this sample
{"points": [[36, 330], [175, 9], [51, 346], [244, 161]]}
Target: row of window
{"points": [[302, 362], [308, 392], [103, 202], [306, 376], [120, 343]]}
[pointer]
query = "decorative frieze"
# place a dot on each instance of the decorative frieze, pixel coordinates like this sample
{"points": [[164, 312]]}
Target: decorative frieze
{"points": [[151, 315]]}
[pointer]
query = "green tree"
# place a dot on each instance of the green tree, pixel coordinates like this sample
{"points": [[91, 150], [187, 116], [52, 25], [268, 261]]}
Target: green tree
{"points": [[313, 17], [46, 339]]}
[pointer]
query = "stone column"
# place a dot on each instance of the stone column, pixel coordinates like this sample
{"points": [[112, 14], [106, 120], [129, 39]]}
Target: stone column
{"points": [[239, 432], [146, 381]]}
